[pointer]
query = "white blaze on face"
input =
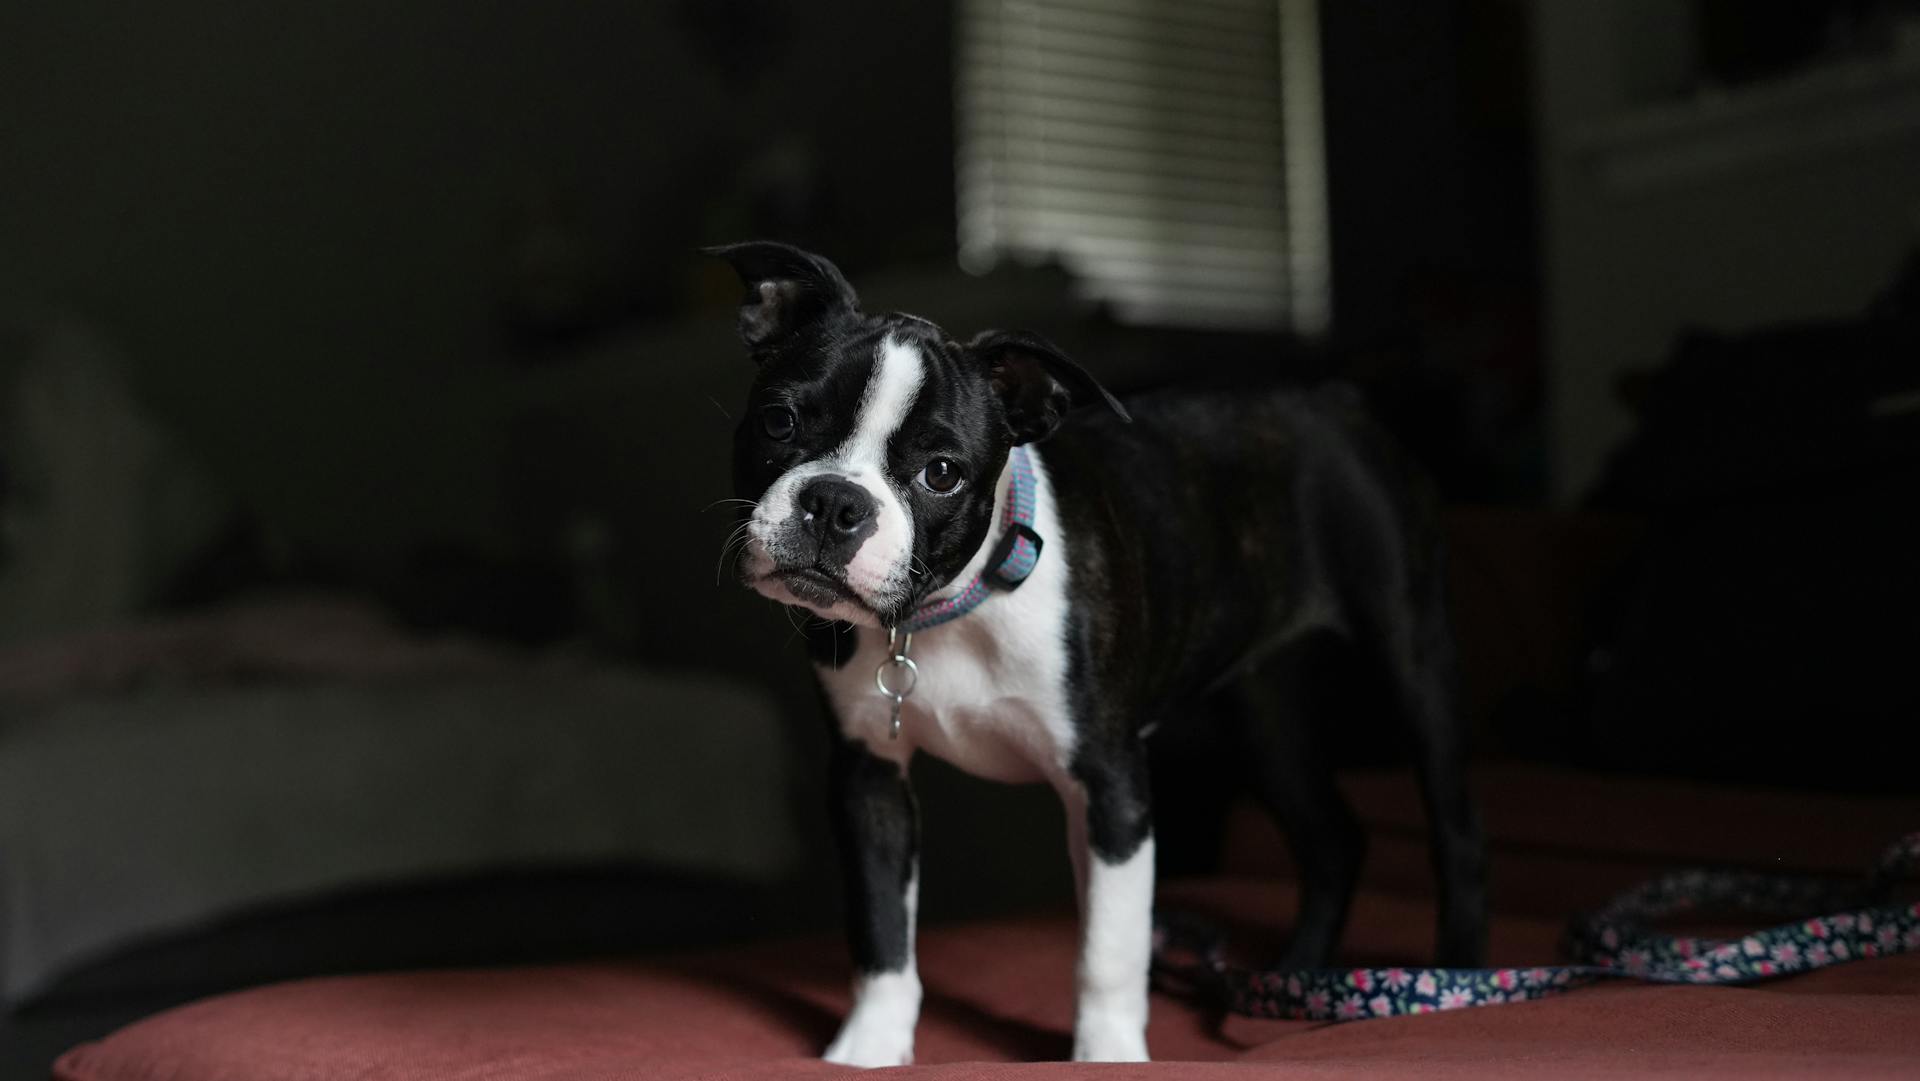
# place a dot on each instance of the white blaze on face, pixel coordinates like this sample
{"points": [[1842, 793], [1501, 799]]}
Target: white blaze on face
{"points": [[880, 565], [898, 374]]}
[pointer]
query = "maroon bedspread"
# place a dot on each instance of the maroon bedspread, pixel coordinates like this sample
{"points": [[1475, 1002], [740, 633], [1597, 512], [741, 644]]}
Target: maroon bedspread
{"points": [[999, 995]]}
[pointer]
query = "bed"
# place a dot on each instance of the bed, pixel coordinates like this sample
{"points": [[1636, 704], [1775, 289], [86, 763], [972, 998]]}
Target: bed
{"points": [[999, 992]]}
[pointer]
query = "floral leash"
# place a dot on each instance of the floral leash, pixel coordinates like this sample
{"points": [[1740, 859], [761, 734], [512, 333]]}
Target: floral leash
{"points": [[1611, 943]]}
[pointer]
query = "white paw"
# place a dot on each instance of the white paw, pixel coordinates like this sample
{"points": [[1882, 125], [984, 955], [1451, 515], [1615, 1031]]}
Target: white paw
{"points": [[867, 1044], [1109, 1036], [879, 1031]]}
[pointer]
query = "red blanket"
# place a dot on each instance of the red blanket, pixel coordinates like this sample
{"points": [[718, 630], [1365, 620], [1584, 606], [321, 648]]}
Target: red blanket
{"points": [[999, 995]]}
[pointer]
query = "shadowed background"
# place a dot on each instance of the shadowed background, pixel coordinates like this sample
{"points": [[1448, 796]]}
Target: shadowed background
{"points": [[362, 403]]}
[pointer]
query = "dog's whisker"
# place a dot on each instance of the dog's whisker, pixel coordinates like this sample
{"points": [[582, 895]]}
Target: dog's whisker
{"points": [[740, 536], [728, 556], [797, 627], [732, 535]]}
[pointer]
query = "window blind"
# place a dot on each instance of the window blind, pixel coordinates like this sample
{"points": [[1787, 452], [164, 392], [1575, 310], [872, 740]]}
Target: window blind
{"points": [[1168, 152]]}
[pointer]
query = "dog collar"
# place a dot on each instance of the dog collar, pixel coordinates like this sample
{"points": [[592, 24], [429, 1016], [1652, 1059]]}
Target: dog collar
{"points": [[1011, 561]]}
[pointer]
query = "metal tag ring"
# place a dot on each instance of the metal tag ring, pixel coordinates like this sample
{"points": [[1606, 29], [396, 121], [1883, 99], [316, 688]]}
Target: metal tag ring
{"points": [[899, 661]]}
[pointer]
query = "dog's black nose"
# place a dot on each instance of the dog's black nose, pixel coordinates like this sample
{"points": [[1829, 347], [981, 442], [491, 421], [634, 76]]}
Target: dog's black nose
{"points": [[836, 509]]}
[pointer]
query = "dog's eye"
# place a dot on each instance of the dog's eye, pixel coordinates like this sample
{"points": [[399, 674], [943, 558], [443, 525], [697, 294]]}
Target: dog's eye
{"points": [[941, 476], [777, 421]]}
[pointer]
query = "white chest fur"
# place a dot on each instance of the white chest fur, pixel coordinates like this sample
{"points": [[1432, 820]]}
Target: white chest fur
{"points": [[991, 695]]}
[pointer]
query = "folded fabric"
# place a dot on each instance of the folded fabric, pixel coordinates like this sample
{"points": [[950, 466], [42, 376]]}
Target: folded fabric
{"points": [[127, 816]]}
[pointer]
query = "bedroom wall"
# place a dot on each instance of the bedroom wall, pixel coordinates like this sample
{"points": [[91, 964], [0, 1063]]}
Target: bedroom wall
{"points": [[1668, 206], [307, 273]]}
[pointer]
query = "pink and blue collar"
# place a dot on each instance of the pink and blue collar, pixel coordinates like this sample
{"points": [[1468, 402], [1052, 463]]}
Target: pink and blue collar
{"points": [[1012, 560]]}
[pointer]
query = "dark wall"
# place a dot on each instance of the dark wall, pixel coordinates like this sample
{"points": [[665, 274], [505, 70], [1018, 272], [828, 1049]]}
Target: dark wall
{"points": [[1434, 230], [1428, 150], [311, 226], [1392, 157]]}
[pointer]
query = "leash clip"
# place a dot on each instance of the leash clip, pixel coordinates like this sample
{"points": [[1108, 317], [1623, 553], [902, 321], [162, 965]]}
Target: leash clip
{"points": [[907, 672]]}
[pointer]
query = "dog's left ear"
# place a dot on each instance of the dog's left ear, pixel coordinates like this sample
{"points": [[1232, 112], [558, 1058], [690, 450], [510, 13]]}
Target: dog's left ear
{"points": [[787, 289], [1036, 382]]}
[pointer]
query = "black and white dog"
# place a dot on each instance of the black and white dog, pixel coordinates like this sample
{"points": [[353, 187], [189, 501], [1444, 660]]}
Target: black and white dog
{"points": [[1032, 614]]}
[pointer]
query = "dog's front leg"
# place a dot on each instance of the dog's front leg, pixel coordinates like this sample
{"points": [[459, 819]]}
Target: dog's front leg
{"points": [[877, 828], [1110, 834]]}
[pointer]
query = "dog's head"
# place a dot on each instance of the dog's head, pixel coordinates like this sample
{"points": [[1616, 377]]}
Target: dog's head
{"points": [[873, 445]]}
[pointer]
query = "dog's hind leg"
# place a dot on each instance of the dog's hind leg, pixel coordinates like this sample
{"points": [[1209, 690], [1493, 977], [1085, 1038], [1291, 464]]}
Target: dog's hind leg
{"points": [[1290, 775], [1416, 654]]}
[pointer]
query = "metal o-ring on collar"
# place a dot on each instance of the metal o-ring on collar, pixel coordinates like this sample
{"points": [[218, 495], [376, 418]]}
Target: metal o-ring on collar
{"points": [[898, 646], [901, 662]]}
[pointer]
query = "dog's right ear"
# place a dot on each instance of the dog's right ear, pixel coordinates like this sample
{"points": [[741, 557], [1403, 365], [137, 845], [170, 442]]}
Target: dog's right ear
{"points": [[787, 289]]}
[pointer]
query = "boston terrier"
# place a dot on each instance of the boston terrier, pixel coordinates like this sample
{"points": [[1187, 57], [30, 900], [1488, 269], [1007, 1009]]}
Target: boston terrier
{"points": [[1028, 592]]}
